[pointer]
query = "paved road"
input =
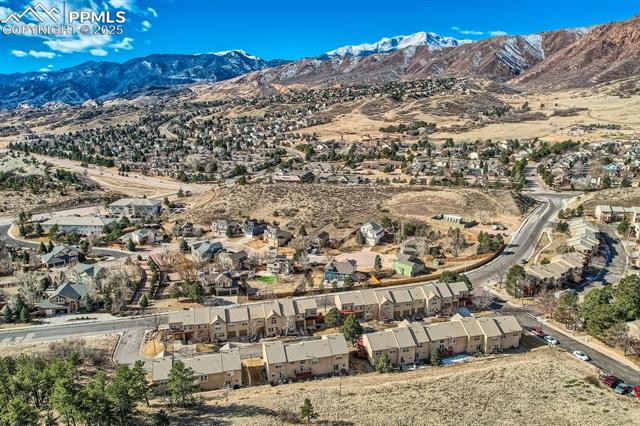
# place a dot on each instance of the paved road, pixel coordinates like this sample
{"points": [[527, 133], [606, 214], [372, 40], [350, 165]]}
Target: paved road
{"points": [[10, 241], [520, 247], [524, 241], [527, 318]]}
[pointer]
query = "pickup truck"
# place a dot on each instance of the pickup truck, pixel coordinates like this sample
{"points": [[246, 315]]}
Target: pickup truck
{"points": [[610, 381]]}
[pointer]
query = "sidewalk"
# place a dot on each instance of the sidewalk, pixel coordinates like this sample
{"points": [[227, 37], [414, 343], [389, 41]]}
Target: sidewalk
{"points": [[591, 342]]}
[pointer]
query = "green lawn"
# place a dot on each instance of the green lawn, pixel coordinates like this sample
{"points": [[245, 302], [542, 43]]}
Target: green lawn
{"points": [[267, 279]]}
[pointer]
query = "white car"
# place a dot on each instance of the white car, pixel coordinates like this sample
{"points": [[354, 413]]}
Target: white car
{"points": [[581, 356], [550, 340]]}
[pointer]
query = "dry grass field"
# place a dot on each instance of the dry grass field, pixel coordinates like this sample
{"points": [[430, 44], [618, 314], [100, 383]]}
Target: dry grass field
{"points": [[543, 387], [625, 197], [102, 344], [339, 209], [601, 106]]}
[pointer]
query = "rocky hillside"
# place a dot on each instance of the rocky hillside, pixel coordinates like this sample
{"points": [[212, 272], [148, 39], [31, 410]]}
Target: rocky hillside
{"points": [[608, 52], [498, 58]]}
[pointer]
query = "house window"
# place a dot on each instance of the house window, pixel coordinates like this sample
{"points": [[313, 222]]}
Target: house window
{"points": [[203, 378], [273, 320]]}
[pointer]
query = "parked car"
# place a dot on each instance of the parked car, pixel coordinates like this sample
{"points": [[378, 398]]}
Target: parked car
{"points": [[538, 332], [636, 391], [551, 340], [610, 381], [523, 261], [622, 388], [581, 356]]}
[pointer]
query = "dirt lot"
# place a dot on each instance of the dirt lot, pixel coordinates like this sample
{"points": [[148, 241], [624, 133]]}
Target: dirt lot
{"points": [[543, 387], [340, 209]]}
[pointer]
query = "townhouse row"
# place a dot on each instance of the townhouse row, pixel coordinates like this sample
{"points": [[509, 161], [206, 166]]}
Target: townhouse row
{"points": [[241, 322], [407, 344], [413, 342], [384, 304], [320, 357]]}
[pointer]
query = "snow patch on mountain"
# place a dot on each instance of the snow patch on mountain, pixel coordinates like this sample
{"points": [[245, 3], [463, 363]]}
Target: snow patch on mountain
{"points": [[391, 44]]}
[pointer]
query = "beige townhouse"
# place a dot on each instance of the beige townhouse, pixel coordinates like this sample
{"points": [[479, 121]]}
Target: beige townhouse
{"points": [[215, 371], [422, 299], [240, 322], [319, 357], [414, 342]]}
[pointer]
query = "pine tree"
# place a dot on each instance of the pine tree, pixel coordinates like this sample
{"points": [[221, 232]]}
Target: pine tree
{"points": [[352, 329], [6, 314], [184, 247], [144, 302], [181, 384], [307, 413], [435, 357], [378, 263], [43, 248], [131, 246], [383, 364], [50, 246], [25, 315]]}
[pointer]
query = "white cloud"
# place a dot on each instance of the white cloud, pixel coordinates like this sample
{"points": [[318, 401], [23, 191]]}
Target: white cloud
{"points": [[467, 32], [37, 54], [146, 25], [19, 53], [152, 11], [124, 44], [44, 70], [79, 44], [123, 4], [498, 33], [471, 32], [98, 52]]}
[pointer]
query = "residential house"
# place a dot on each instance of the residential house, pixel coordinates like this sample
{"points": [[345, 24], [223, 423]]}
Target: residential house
{"points": [[67, 298], [186, 230], [372, 233], [408, 265], [205, 251], [319, 241], [321, 357], [232, 260], [280, 265], [137, 207], [222, 284], [83, 225], [338, 271], [276, 237], [60, 256], [86, 271], [253, 228], [144, 236], [225, 227]]}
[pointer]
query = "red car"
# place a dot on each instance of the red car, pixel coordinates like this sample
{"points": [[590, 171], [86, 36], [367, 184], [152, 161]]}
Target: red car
{"points": [[636, 391], [538, 332]]}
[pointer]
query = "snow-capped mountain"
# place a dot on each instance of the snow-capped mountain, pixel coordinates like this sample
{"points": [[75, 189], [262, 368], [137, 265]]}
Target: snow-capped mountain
{"points": [[391, 44], [102, 80]]}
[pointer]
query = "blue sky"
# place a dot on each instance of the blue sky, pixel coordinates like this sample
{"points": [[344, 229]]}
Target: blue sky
{"points": [[284, 28]]}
